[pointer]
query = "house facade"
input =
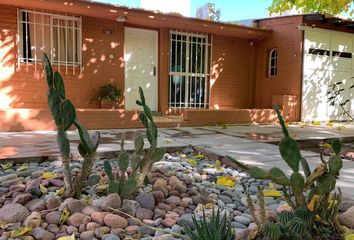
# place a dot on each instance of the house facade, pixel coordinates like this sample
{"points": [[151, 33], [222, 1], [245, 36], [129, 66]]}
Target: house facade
{"points": [[207, 71]]}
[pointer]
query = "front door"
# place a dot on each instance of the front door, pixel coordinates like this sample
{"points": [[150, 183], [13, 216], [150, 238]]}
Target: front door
{"points": [[140, 57]]}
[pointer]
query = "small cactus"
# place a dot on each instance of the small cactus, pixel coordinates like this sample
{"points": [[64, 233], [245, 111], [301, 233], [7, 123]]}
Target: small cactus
{"points": [[321, 182], [296, 226], [284, 217], [271, 231], [304, 214], [125, 184]]}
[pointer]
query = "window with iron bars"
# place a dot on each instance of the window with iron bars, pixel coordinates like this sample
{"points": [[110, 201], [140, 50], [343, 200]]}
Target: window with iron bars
{"points": [[59, 36], [189, 70]]}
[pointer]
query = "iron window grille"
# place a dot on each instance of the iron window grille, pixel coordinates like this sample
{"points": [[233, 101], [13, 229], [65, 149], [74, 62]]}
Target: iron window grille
{"points": [[59, 36], [189, 70]]}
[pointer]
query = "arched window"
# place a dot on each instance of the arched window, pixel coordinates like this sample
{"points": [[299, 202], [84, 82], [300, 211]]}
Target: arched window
{"points": [[273, 63]]}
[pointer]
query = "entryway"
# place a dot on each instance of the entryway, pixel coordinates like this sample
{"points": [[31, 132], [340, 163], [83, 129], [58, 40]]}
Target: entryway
{"points": [[140, 55]]}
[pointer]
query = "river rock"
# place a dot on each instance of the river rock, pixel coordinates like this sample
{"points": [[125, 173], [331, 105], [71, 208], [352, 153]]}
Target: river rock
{"points": [[13, 212]]}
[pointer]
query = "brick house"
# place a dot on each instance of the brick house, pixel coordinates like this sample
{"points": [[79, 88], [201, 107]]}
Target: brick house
{"points": [[206, 72]]}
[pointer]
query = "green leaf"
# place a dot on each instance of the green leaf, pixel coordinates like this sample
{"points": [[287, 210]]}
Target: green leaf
{"points": [[147, 112], [59, 84], [93, 180], [297, 181], [113, 187], [337, 146], [122, 142], [281, 120], [326, 183], [95, 139], [158, 154], [290, 152], [258, 173], [54, 102], [123, 162], [279, 176], [335, 164], [108, 169], [67, 114], [48, 71], [139, 103], [82, 150], [130, 186], [149, 135], [144, 120], [142, 97], [138, 143], [64, 144], [84, 137]]}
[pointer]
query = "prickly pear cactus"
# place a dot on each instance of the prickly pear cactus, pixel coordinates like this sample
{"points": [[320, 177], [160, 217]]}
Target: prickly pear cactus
{"points": [[140, 161], [64, 114]]}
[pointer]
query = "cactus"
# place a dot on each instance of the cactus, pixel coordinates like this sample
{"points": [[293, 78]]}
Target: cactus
{"points": [[271, 231], [296, 226], [304, 214], [140, 162], [284, 217], [320, 182], [64, 114]]}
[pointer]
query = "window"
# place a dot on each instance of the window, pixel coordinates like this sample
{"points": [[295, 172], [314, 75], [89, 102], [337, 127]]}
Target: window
{"points": [[189, 70], [320, 52], [57, 35], [273, 63]]}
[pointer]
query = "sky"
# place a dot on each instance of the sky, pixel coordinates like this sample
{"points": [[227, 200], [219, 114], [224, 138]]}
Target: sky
{"points": [[231, 10]]}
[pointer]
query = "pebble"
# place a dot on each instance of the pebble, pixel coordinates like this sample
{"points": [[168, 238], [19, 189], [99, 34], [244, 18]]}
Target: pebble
{"points": [[115, 221], [41, 234], [146, 200], [130, 206], [13, 212], [7, 177], [113, 200], [243, 220]]}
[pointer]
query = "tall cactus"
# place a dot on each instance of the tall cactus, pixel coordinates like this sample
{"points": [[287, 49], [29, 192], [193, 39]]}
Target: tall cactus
{"points": [[140, 162], [321, 182], [64, 114]]}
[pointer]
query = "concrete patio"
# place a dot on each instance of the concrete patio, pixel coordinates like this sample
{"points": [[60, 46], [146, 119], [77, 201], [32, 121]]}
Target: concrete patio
{"points": [[252, 144]]}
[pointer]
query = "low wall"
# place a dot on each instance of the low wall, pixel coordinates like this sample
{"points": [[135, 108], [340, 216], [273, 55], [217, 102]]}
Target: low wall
{"points": [[232, 116]]}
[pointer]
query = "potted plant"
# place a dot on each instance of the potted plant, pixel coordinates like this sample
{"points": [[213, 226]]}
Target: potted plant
{"points": [[108, 95]]}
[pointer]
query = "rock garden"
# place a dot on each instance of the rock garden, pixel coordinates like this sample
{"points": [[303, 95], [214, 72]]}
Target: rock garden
{"points": [[147, 193]]}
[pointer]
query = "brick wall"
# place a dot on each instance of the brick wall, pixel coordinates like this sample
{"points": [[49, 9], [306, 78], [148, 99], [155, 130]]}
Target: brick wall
{"points": [[288, 40], [26, 88], [231, 73]]}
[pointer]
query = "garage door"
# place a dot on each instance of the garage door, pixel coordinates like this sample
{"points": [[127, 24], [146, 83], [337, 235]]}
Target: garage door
{"points": [[327, 59]]}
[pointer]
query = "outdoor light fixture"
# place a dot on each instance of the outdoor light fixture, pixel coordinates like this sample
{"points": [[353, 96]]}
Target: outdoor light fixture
{"points": [[107, 31], [121, 19]]}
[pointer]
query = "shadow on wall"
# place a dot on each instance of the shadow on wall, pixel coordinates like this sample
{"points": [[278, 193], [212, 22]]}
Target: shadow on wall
{"points": [[23, 91], [216, 71]]}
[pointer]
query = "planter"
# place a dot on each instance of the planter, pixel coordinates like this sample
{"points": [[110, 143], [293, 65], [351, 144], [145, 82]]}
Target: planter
{"points": [[109, 105]]}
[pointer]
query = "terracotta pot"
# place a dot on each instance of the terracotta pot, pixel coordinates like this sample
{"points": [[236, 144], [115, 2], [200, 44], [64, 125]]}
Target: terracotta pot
{"points": [[109, 105]]}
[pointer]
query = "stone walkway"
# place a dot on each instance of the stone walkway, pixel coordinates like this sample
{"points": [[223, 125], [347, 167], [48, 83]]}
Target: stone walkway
{"points": [[249, 143]]}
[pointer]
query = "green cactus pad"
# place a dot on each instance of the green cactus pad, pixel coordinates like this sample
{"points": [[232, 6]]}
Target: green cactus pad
{"points": [[279, 176], [258, 173], [335, 164]]}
